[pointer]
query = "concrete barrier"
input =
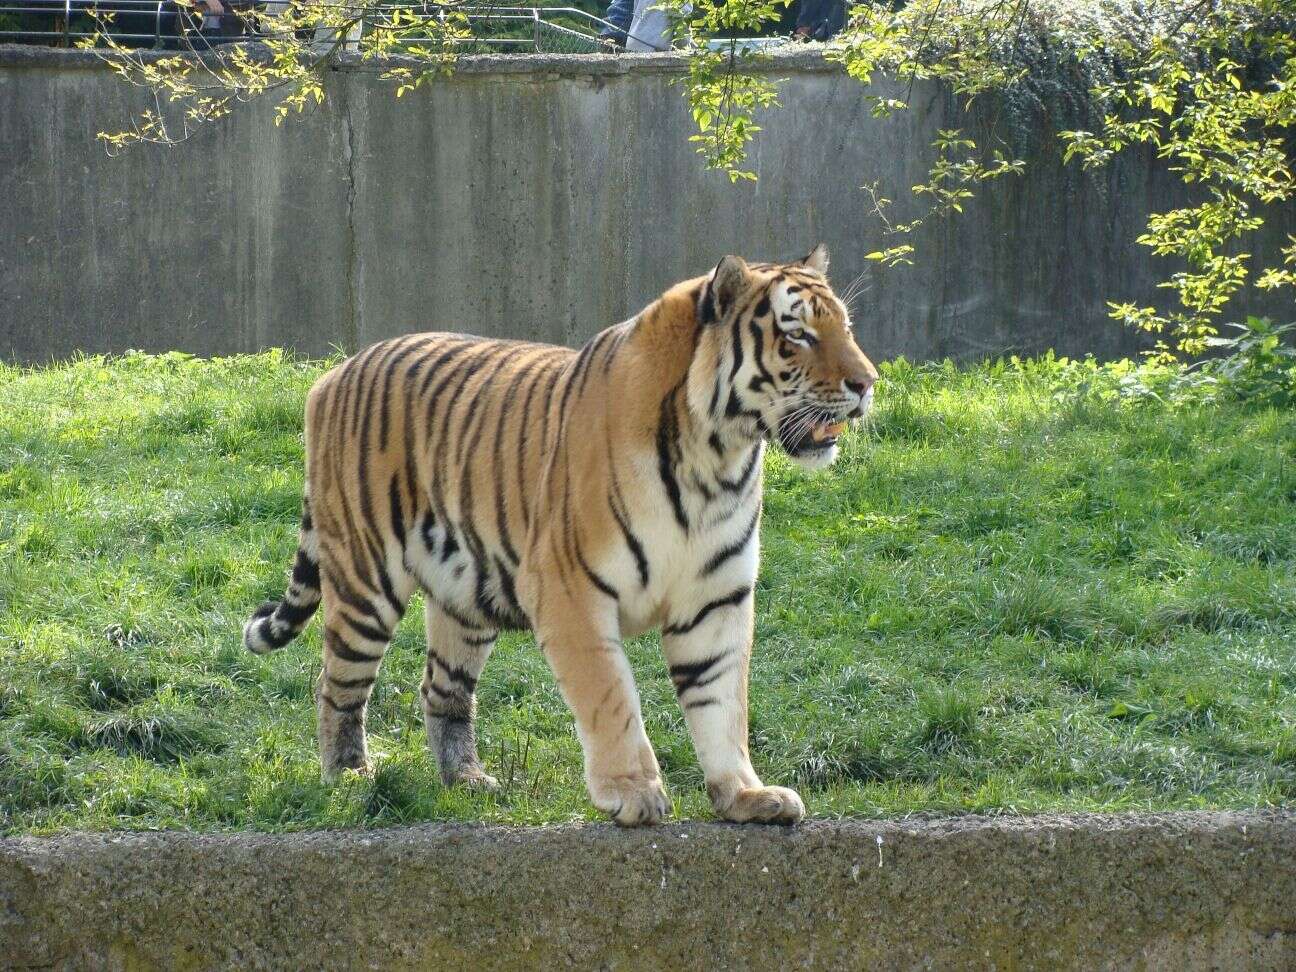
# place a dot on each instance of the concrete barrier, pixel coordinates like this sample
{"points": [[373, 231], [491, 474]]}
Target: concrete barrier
{"points": [[1175, 891], [542, 196]]}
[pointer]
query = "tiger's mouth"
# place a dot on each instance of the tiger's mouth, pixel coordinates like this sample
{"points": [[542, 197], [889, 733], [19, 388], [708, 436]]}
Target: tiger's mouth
{"points": [[803, 441]]}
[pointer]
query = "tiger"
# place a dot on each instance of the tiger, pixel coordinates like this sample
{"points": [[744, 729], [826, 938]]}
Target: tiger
{"points": [[586, 496]]}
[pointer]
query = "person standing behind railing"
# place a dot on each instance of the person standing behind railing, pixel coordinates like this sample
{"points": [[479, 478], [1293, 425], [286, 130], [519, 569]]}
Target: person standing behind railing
{"points": [[619, 14], [819, 19], [650, 30]]}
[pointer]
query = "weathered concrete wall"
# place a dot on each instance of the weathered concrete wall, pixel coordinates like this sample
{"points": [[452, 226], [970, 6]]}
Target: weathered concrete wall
{"points": [[1179, 891], [538, 196]]}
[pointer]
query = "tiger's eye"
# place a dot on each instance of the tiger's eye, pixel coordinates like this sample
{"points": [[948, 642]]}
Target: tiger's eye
{"points": [[796, 334]]}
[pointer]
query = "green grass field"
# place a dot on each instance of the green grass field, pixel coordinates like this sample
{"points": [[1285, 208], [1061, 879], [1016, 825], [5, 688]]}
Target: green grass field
{"points": [[1006, 597]]}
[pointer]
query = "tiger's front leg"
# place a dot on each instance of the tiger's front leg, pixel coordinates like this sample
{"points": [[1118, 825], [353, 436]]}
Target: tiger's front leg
{"points": [[708, 653], [581, 640]]}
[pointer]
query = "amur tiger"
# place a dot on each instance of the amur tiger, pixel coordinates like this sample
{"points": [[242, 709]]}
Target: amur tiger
{"points": [[584, 495]]}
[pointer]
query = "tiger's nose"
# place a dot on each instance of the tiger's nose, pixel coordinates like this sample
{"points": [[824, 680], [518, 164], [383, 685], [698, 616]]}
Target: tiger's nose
{"points": [[864, 391]]}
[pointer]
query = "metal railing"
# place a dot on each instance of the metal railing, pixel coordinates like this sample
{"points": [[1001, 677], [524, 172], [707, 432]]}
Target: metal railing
{"points": [[72, 20], [166, 24]]}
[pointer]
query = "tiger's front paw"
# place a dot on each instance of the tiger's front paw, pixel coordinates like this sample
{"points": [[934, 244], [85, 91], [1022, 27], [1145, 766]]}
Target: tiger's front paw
{"points": [[631, 801], [764, 804]]}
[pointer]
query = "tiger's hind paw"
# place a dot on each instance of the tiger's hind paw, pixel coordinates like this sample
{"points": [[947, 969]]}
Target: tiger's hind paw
{"points": [[473, 778], [332, 774]]}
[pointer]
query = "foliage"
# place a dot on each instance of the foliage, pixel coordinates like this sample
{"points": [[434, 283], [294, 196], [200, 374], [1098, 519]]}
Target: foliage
{"points": [[921, 41], [1208, 86], [1215, 98], [949, 184], [296, 46], [1021, 589], [1254, 366], [1258, 367], [1148, 381], [724, 85]]}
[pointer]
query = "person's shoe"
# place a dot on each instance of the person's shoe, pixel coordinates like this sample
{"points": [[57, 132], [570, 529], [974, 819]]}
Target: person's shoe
{"points": [[615, 39], [802, 34]]}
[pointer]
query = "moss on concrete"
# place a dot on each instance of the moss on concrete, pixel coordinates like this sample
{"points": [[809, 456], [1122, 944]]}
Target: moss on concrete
{"points": [[1180, 891]]}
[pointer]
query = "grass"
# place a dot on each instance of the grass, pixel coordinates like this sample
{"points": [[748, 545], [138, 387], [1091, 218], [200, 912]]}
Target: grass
{"points": [[1006, 597]]}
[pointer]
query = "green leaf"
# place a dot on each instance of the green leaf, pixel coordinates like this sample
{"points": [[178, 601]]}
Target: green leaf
{"points": [[1129, 710]]}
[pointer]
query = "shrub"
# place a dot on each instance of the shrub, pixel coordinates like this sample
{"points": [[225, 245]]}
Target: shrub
{"points": [[1258, 367]]}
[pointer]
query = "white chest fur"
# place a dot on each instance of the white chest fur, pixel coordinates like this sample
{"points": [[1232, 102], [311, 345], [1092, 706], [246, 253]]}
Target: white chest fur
{"points": [[679, 552]]}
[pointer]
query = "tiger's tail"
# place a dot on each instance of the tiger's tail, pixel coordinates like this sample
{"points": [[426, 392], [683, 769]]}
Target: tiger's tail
{"points": [[275, 623]]}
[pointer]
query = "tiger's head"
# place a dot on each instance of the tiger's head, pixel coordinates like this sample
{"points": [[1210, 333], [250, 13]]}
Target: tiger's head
{"points": [[776, 357]]}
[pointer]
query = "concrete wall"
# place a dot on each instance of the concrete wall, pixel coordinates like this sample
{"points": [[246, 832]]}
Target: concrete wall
{"points": [[542, 196], [1174, 892]]}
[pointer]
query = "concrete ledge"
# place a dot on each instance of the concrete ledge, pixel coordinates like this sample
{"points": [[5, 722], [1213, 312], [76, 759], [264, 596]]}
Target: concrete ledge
{"points": [[1177, 891], [799, 58]]}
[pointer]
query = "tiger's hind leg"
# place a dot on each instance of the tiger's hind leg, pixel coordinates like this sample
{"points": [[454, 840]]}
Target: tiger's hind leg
{"points": [[456, 655], [359, 619]]}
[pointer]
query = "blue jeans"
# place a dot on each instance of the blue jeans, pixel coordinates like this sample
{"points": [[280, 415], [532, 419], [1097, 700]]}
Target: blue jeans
{"points": [[619, 14], [824, 17]]}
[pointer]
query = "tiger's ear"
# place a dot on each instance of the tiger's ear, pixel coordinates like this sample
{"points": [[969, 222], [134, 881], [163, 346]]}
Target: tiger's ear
{"points": [[727, 284], [817, 259]]}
